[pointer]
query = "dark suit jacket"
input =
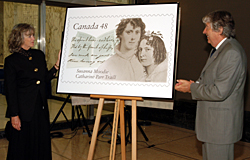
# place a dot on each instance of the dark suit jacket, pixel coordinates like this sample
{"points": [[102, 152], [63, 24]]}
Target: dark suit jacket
{"points": [[24, 79], [220, 95]]}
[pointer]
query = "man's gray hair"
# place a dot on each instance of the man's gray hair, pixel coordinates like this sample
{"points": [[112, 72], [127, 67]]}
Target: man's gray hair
{"points": [[219, 19]]}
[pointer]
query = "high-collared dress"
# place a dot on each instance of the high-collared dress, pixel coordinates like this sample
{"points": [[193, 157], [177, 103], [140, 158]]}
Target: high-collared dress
{"points": [[159, 74]]}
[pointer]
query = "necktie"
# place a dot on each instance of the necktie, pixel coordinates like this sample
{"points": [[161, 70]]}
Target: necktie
{"points": [[213, 50]]}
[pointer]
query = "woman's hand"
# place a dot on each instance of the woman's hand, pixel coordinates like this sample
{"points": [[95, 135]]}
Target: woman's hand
{"points": [[58, 60], [16, 123]]}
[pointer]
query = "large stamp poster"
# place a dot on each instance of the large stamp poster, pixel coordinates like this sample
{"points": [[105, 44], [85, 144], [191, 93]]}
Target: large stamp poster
{"points": [[127, 50]]}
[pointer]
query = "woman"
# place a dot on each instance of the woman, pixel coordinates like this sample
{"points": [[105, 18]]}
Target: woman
{"points": [[124, 65], [25, 78], [153, 56]]}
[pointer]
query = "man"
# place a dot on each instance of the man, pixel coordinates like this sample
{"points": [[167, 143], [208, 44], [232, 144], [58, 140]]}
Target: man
{"points": [[124, 65], [219, 89]]}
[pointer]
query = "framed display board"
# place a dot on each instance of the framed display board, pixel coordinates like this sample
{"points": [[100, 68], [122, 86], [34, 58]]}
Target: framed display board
{"points": [[125, 50]]}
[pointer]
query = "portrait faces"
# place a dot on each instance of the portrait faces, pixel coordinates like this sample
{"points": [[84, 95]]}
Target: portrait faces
{"points": [[130, 38], [146, 53], [28, 40]]}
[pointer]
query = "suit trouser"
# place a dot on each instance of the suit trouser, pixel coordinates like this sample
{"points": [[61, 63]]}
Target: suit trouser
{"points": [[217, 151]]}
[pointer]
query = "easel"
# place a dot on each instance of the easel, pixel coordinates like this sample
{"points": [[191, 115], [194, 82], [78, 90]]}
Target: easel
{"points": [[59, 112], [78, 109], [119, 108], [128, 119]]}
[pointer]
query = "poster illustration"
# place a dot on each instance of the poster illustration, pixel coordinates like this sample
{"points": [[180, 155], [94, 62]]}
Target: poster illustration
{"points": [[126, 50]]}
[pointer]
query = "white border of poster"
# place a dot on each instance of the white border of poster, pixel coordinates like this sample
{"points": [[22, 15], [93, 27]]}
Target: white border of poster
{"points": [[90, 41]]}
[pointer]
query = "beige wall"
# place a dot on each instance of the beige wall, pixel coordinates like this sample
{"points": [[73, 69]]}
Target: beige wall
{"points": [[55, 17], [14, 13], [193, 48], [1, 32], [119, 1]]}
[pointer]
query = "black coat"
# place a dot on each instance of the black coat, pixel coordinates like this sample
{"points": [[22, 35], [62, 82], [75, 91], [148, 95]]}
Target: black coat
{"points": [[24, 79]]}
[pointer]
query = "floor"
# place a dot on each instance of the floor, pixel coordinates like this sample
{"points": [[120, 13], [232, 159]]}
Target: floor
{"points": [[165, 142]]}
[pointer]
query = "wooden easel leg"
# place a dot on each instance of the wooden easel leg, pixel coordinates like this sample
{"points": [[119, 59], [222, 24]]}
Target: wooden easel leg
{"points": [[114, 130], [122, 130], [134, 130], [119, 105], [95, 130]]}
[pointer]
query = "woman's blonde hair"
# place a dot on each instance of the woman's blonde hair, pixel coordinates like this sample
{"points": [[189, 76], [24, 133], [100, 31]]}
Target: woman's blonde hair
{"points": [[16, 36]]}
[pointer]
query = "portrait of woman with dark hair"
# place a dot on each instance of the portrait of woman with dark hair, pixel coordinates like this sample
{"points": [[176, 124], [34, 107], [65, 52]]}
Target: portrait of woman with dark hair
{"points": [[124, 65], [153, 56]]}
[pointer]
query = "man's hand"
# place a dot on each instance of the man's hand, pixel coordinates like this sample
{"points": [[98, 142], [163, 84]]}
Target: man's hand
{"points": [[183, 85]]}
